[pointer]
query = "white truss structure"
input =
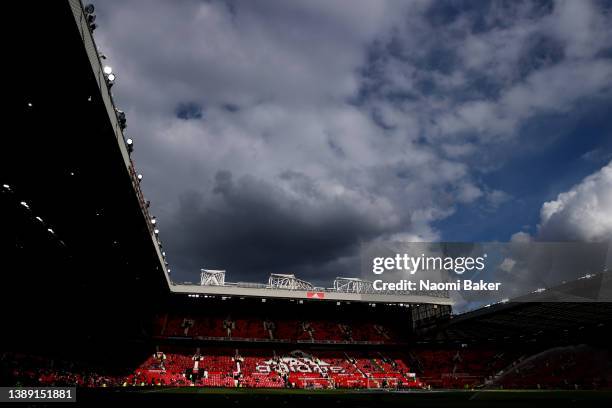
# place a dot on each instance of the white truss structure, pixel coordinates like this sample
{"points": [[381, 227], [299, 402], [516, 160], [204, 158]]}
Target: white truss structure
{"points": [[213, 283], [283, 281], [352, 285], [211, 277]]}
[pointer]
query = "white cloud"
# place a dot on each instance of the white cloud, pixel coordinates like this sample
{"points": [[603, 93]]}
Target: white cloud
{"points": [[496, 198], [521, 237], [582, 26], [583, 213], [507, 264], [468, 193]]}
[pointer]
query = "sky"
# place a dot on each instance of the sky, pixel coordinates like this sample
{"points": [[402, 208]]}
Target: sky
{"points": [[279, 137]]}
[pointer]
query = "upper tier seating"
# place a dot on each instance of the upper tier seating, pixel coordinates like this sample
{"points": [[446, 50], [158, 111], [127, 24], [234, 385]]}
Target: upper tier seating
{"points": [[323, 331]]}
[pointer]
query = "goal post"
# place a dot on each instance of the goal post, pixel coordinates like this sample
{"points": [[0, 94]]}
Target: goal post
{"points": [[389, 383], [316, 383]]}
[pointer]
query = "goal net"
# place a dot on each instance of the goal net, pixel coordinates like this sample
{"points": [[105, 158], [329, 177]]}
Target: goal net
{"points": [[390, 383], [315, 383]]}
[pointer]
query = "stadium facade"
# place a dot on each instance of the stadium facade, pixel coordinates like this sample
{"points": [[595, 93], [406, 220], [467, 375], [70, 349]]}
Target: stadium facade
{"points": [[89, 297]]}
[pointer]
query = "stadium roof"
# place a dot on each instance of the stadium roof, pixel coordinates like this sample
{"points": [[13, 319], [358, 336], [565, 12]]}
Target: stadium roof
{"points": [[212, 282], [75, 226], [567, 310]]}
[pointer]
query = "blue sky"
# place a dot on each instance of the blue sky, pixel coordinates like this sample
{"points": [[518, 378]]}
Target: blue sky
{"points": [[534, 177], [280, 136]]}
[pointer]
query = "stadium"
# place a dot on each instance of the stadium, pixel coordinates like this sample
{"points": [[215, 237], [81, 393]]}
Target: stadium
{"points": [[93, 302]]}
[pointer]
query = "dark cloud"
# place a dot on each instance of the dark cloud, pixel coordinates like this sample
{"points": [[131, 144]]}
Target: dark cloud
{"points": [[230, 107], [252, 229], [188, 110]]}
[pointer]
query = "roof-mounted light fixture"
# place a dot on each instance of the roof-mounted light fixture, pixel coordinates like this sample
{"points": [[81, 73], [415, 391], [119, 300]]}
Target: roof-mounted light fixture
{"points": [[90, 17], [130, 145], [121, 118]]}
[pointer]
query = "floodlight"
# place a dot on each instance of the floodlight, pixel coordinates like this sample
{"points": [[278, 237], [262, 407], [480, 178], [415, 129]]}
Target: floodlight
{"points": [[90, 16], [121, 118], [107, 70]]}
